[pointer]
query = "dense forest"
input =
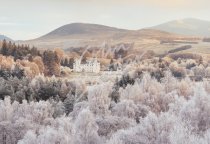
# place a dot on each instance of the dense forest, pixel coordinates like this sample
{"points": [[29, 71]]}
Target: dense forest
{"points": [[145, 111], [30, 60], [156, 101]]}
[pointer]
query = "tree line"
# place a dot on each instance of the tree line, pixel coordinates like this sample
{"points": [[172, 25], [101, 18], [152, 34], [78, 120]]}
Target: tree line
{"points": [[18, 51], [49, 59]]}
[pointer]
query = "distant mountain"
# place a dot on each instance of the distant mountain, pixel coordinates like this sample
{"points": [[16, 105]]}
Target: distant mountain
{"points": [[189, 26], [2, 37]]}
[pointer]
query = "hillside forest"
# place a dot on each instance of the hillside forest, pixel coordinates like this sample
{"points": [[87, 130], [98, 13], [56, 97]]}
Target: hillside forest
{"points": [[156, 100]]}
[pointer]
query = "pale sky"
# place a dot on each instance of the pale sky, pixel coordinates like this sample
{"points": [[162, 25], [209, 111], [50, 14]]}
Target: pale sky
{"points": [[28, 19]]}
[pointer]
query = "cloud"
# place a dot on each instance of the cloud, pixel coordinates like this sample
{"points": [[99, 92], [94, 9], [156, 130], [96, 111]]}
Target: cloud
{"points": [[8, 24], [42, 16], [8, 21], [188, 4]]}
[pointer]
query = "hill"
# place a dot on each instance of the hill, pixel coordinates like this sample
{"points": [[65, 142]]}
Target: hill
{"points": [[189, 26], [81, 34], [77, 37], [81, 29], [2, 37]]}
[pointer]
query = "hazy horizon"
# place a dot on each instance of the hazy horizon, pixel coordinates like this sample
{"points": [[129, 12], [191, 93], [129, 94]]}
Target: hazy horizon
{"points": [[27, 19]]}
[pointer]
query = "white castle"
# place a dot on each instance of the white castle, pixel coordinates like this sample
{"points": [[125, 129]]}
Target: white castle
{"points": [[92, 66]]}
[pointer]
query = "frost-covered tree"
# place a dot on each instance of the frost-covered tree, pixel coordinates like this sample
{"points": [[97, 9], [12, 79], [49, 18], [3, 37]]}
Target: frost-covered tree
{"points": [[86, 129], [169, 82], [147, 109], [196, 113], [127, 108], [152, 130], [78, 107], [108, 125], [98, 98], [47, 135], [199, 72], [181, 134]]}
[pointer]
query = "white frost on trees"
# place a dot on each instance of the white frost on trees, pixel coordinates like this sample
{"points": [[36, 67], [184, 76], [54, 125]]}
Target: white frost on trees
{"points": [[148, 112], [86, 129], [98, 98]]}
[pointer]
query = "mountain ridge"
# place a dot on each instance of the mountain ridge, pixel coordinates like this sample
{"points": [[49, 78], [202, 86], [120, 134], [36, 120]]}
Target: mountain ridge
{"points": [[83, 34], [81, 28], [2, 37], [187, 26]]}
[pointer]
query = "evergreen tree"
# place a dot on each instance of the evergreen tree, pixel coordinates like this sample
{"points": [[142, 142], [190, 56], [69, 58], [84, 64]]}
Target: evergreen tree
{"points": [[14, 53], [9, 48], [71, 63], [34, 51], [66, 62], [200, 61], [30, 58], [4, 49], [111, 65]]}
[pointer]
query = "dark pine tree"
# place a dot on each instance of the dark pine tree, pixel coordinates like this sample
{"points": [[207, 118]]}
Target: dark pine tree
{"points": [[66, 62], [71, 63], [4, 49]]}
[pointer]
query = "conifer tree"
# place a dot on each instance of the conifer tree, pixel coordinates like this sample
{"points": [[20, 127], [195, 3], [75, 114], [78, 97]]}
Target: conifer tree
{"points": [[4, 49]]}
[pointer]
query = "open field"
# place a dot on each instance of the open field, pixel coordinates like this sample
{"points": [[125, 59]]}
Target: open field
{"points": [[93, 78]]}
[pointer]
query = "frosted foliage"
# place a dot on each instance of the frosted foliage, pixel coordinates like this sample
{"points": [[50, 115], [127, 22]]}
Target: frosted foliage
{"points": [[152, 130], [29, 138], [206, 138], [78, 108], [199, 71], [148, 111], [149, 94], [35, 112], [138, 91], [142, 89], [185, 88], [207, 72], [86, 129], [169, 82], [134, 93], [177, 105], [110, 124], [197, 110], [16, 119], [98, 98], [47, 135], [125, 109], [181, 134], [58, 109], [206, 86], [6, 110]]}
